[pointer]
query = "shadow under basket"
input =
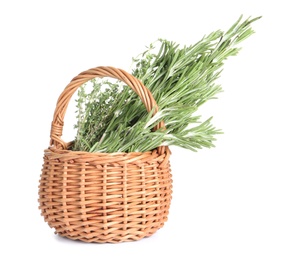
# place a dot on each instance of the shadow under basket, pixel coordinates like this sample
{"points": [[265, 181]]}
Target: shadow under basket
{"points": [[104, 197]]}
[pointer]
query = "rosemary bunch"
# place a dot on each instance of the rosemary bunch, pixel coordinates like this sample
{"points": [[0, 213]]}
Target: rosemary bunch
{"points": [[112, 118]]}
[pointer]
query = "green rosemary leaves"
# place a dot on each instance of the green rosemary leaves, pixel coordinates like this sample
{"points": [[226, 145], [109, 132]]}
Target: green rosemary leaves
{"points": [[111, 118]]}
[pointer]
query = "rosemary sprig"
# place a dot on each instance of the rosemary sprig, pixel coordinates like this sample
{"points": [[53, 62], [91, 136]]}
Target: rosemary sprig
{"points": [[111, 118]]}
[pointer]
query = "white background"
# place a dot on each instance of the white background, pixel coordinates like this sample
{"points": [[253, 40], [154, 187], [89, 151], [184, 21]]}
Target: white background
{"points": [[234, 201]]}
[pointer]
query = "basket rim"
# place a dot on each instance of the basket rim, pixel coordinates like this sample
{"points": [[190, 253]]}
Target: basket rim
{"points": [[99, 158], [65, 151]]}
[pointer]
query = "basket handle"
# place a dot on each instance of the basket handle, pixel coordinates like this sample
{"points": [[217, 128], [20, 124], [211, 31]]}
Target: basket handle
{"points": [[63, 100]]}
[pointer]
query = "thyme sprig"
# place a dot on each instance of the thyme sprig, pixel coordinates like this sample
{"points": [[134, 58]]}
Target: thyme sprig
{"points": [[111, 118]]}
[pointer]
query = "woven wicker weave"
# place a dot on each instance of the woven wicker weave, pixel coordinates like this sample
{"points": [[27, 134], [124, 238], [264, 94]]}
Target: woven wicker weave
{"points": [[104, 197]]}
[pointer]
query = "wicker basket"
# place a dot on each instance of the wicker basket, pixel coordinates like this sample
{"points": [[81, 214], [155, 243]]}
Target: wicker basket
{"points": [[104, 197]]}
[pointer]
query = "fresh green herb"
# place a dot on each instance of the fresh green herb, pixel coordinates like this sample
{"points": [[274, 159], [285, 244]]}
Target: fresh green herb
{"points": [[111, 118]]}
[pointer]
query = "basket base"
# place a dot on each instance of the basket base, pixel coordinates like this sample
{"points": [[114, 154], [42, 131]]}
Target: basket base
{"points": [[104, 238], [95, 233]]}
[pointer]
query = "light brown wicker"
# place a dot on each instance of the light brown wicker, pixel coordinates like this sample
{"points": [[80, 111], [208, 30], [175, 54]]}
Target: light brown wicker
{"points": [[104, 197]]}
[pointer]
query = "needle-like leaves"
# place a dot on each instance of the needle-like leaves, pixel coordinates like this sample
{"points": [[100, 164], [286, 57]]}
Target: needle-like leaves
{"points": [[111, 118]]}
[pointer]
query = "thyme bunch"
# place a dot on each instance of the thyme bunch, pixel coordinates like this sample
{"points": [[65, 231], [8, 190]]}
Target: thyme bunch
{"points": [[111, 118]]}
